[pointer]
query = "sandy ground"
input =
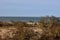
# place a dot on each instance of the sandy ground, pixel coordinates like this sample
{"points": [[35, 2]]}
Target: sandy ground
{"points": [[7, 32]]}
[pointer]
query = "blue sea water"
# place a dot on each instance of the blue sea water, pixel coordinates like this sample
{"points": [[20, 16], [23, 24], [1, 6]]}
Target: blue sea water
{"points": [[20, 19]]}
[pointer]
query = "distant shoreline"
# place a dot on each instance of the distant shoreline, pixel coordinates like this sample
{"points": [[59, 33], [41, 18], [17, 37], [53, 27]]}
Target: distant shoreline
{"points": [[34, 19]]}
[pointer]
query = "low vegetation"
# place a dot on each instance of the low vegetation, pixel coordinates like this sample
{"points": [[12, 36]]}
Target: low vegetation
{"points": [[48, 28]]}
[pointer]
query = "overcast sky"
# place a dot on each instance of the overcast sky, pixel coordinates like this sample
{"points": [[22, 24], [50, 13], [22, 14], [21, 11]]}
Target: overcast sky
{"points": [[30, 8]]}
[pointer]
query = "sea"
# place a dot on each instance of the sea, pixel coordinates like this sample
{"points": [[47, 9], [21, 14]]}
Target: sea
{"points": [[34, 19]]}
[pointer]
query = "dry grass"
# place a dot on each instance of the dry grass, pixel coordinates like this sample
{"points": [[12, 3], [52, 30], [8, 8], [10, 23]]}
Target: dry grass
{"points": [[51, 29]]}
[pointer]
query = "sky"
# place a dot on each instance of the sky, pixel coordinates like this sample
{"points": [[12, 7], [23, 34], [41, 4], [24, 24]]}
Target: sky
{"points": [[32, 8]]}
